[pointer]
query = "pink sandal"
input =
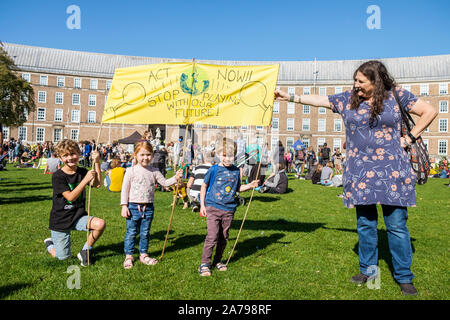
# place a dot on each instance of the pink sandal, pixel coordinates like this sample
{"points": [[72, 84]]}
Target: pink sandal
{"points": [[145, 259], [128, 263]]}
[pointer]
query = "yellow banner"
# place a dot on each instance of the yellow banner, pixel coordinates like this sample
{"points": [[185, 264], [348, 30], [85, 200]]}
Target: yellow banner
{"points": [[186, 93]]}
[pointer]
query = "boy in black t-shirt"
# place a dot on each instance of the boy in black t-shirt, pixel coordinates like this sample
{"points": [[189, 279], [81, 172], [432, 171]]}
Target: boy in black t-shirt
{"points": [[68, 209]]}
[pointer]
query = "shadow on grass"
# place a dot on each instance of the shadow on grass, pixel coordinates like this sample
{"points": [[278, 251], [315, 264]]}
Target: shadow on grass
{"points": [[9, 289], [181, 243], [383, 246], [252, 246], [17, 200], [117, 249], [16, 184], [278, 225], [27, 189]]}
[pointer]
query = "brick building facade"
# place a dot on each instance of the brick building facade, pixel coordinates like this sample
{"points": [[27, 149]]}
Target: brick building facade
{"points": [[71, 89]]}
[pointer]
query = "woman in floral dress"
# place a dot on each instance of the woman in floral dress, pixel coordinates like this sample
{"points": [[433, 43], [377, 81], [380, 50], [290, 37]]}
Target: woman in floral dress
{"points": [[377, 169]]}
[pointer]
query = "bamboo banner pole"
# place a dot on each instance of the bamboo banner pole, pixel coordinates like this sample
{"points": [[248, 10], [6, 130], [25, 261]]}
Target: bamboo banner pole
{"points": [[90, 188], [181, 166]]}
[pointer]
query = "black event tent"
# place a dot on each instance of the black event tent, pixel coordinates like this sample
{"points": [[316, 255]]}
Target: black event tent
{"points": [[132, 139]]}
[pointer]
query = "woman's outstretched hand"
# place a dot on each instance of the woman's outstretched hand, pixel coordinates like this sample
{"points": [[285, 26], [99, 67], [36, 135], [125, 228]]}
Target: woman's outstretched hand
{"points": [[281, 95]]}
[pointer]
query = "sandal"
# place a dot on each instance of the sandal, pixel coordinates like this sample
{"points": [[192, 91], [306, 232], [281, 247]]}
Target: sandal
{"points": [[145, 259], [221, 266], [128, 263], [204, 270]]}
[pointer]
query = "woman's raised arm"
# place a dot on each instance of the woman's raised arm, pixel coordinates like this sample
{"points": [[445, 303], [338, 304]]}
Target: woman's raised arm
{"points": [[311, 100]]}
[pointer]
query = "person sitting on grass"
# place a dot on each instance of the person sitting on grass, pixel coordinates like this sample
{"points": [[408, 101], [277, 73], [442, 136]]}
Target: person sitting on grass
{"points": [[277, 182], [315, 179], [327, 174], [218, 204], [53, 164], [68, 206]]}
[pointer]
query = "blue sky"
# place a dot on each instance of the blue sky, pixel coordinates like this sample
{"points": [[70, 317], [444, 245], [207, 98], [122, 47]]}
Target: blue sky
{"points": [[234, 30]]}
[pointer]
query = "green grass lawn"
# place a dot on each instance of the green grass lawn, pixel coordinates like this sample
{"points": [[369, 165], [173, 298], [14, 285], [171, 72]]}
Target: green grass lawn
{"points": [[301, 245]]}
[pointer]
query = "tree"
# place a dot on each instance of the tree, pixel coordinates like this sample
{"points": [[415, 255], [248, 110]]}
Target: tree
{"points": [[16, 95]]}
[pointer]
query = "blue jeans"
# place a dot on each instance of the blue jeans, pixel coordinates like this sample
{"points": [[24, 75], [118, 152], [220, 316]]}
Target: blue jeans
{"points": [[398, 238], [139, 222]]}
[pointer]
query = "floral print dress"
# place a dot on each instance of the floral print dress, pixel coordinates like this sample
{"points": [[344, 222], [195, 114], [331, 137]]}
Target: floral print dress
{"points": [[377, 169]]}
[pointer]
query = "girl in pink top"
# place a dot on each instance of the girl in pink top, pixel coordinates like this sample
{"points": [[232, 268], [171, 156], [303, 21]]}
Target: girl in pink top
{"points": [[138, 189]]}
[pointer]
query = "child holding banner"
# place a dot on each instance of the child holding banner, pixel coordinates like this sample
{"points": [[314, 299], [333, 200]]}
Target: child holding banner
{"points": [[68, 209], [218, 204], [138, 190]]}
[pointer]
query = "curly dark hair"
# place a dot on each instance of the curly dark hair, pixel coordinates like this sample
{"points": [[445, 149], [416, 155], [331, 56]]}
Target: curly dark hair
{"points": [[378, 75]]}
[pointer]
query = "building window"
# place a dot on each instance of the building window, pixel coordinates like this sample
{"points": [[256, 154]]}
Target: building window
{"points": [[93, 84], [273, 143], [443, 88], [23, 133], [43, 81], [337, 125], [290, 108], [290, 124], [425, 142], [322, 110], [258, 128], [41, 114], [91, 117], [76, 99], [338, 90], [424, 89], [59, 98], [108, 84], [291, 90], [306, 124], [40, 134], [276, 107], [244, 127], [305, 142], [442, 147], [5, 133], [74, 134], [406, 87], [306, 91], [26, 77], [443, 106], [321, 124], [42, 96], [75, 116], [306, 109], [60, 81], [337, 142], [275, 124], [57, 134], [443, 125], [322, 91], [289, 142], [92, 100], [58, 115], [320, 142], [77, 83]]}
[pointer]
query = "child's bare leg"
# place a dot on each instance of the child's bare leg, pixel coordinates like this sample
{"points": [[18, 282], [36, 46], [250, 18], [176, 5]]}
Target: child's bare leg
{"points": [[97, 226]]}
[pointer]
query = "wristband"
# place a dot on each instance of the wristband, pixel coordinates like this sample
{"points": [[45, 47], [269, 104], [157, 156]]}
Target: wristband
{"points": [[291, 98]]}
